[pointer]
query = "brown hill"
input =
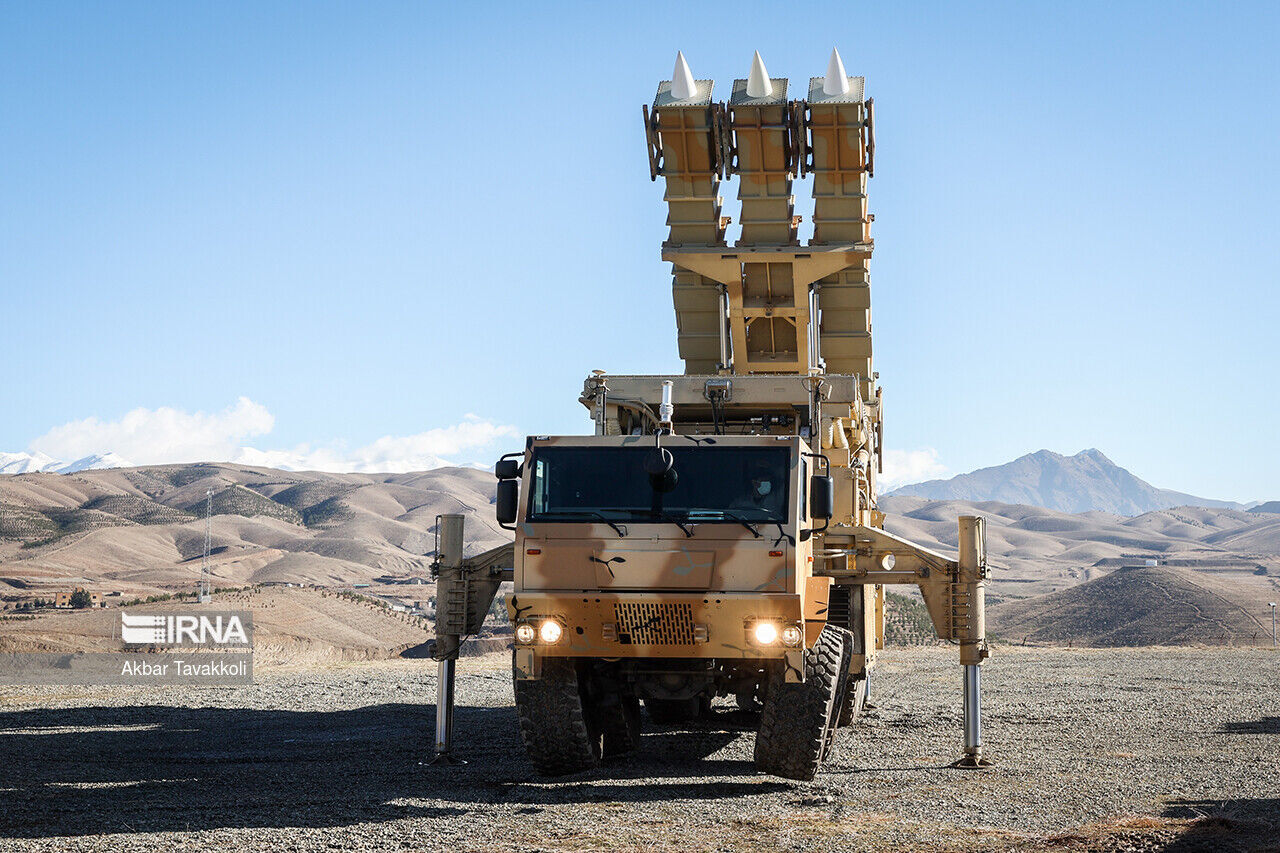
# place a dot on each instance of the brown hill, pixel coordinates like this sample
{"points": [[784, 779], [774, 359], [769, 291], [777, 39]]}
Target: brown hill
{"points": [[1036, 551], [1160, 605], [141, 530]]}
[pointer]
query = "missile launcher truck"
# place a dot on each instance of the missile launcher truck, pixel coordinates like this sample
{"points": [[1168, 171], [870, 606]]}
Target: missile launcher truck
{"points": [[718, 535]]}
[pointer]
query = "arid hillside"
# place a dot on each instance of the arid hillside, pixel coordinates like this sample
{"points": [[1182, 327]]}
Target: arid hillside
{"points": [[1036, 551], [1162, 605], [291, 627], [141, 530]]}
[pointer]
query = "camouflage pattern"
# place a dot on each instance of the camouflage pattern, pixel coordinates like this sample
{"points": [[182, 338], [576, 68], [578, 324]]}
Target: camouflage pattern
{"points": [[701, 592]]}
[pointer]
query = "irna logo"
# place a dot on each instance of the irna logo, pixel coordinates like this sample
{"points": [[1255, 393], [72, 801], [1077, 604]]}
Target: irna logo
{"points": [[205, 629]]}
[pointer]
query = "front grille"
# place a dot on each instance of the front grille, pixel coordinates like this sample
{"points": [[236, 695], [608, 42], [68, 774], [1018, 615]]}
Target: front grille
{"points": [[654, 624]]}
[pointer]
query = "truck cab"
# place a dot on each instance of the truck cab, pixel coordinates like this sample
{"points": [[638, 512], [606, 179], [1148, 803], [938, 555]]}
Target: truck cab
{"points": [[711, 560]]}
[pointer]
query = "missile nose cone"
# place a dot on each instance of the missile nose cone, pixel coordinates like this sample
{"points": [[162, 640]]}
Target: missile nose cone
{"points": [[682, 83], [837, 81], [758, 83]]}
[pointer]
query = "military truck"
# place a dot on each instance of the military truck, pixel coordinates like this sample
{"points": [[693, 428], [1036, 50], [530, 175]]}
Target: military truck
{"points": [[718, 535]]}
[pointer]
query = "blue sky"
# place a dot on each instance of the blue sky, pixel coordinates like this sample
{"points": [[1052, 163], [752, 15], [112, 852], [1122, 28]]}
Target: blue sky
{"points": [[423, 224]]}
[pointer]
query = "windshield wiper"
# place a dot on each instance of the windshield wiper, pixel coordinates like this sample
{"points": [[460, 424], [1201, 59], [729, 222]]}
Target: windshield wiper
{"points": [[618, 528], [666, 516], [721, 515], [744, 523]]}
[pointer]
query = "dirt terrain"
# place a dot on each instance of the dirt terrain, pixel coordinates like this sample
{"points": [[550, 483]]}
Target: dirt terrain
{"points": [[1147, 749], [291, 627]]}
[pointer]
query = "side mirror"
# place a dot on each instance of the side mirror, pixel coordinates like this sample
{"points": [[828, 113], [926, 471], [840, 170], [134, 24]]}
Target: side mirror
{"points": [[507, 469], [822, 496], [508, 501]]}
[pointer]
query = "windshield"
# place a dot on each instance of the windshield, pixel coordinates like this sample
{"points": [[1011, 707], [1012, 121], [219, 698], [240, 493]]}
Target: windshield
{"points": [[714, 484]]}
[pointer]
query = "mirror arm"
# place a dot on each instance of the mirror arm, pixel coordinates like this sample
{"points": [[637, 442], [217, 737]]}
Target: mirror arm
{"points": [[825, 461], [506, 456]]}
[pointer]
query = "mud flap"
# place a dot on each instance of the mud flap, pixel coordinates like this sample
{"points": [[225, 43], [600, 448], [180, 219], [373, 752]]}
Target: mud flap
{"points": [[793, 669], [525, 665]]}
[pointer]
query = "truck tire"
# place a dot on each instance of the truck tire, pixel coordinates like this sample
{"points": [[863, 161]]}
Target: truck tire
{"points": [[553, 722], [796, 717], [842, 691], [620, 727], [855, 698]]}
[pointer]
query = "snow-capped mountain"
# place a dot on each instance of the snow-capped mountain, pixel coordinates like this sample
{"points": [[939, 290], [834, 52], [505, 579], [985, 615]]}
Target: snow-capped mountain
{"points": [[282, 460], [27, 463], [94, 462]]}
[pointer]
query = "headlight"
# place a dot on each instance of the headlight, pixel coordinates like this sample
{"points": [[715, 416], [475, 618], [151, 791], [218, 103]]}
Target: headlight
{"points": [[766, 633], [550, 632], [525, 633], [792, 635], [888, 561]]}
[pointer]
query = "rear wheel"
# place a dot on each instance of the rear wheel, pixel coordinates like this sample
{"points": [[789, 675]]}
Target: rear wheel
{"points": [[797, 717], [557, 731], [855, 698], [619, 724]]}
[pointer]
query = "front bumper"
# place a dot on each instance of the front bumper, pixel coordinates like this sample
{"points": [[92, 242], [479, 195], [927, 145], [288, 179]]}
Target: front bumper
{"points": [[656, 625]]}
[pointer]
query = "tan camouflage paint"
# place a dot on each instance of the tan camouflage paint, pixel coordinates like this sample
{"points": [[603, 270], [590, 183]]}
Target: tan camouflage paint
{"points": [[728, 576]]}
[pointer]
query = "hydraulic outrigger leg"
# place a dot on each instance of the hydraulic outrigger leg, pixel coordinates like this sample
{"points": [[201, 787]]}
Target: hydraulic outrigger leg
{"points": [[969, 613], [448, 568], [465, 589], [444, 714]]}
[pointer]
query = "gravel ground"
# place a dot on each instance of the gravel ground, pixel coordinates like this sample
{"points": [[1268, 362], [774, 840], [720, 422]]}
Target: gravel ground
{"points": [[1134, 749]]}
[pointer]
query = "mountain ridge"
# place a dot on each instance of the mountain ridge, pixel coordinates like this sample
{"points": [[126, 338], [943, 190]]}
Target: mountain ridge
{"points": [[1085, 482], [140, 531], [43, 463]]}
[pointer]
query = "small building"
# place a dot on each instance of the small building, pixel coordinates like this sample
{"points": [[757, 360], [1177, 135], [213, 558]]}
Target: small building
{"points": [[63, 599]]}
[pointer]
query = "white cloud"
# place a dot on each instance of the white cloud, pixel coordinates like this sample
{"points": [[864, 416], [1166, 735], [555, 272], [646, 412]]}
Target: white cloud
{"points": [[155, 436], [389, 454], [165, 435], [910, 466]]}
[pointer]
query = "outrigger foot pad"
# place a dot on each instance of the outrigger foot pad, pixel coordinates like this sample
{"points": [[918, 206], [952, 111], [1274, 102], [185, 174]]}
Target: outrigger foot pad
{"points": [[973, 761], [444, 759]]}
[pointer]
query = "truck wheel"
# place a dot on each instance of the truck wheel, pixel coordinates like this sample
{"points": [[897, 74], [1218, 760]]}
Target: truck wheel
{"points": [[842, 691], [749, 701], [620, 726], [663, 711], [553, 723], [855, 698], [796, 717]]}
